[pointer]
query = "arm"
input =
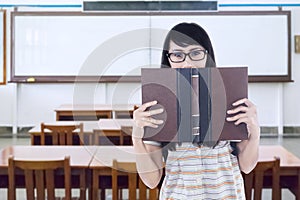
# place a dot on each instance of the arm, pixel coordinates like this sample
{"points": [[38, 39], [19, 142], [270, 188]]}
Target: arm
{"points": [[248, 149], [149, 157]]}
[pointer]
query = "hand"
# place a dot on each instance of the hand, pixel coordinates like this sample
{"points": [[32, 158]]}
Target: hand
{"points": [[142, 118], [245, 112]]}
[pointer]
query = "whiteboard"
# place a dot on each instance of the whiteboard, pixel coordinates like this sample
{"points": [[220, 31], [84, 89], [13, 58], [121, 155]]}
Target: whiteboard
{"points": [[58, 45], [242, 40]]}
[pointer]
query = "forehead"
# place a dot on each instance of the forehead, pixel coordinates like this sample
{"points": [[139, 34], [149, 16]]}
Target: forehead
{"points": [[174, 47]]}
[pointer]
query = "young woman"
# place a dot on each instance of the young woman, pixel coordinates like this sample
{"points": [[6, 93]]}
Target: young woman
{"points": [[201, 170]]}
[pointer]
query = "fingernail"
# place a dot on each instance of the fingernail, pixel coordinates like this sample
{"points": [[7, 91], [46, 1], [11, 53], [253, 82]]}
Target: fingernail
{"points": [[228, 118]]}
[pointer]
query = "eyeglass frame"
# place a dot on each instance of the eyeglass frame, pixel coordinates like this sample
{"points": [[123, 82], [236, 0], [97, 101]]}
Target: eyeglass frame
{"points": [[187, 54]]}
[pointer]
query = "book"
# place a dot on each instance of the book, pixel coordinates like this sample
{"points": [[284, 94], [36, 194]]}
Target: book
{"points": [[195, 103]]}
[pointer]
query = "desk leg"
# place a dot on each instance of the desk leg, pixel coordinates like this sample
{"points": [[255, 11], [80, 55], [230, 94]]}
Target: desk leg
{"points": [[82, 184], [89, 183], [32, 139], [153, 194], [57, 116], [95, 184], [121, 138]]}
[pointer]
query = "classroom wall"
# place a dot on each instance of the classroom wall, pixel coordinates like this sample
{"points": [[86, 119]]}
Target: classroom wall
{"points": [[24, 105], [292, 90]]}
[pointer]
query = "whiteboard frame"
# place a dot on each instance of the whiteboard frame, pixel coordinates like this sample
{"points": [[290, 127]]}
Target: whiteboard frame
{"points": [[70, 79], [3, 47]]}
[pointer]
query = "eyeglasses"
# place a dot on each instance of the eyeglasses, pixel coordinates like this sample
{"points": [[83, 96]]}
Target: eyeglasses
{"points": [[194, 55]]}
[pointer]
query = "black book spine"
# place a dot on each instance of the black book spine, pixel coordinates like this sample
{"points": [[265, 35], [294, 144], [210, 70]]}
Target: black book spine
{"points": [[184, 110], [205, 106]]}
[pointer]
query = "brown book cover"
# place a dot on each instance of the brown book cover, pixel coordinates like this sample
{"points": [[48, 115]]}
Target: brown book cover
{"points": [[160, 85], [195, 102]]}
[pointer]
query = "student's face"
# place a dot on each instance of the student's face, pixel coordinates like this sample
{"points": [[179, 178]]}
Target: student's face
{"points": [[194, 50]]}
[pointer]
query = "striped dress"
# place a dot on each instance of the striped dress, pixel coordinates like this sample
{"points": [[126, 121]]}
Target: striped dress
{"points": [[202, 173]]}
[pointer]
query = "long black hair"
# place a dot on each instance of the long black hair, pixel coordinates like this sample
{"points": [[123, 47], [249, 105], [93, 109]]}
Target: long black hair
{"points": [[185, 34]]}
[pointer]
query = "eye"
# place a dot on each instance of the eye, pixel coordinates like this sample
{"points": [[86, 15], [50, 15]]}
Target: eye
{"points": [[196, 53], [178, 54]]}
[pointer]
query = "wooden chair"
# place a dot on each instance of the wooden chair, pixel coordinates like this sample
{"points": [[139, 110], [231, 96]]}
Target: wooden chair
{"points": [[255, 179], [62, 134], [126, 131], [129, 169], [38, 175]]}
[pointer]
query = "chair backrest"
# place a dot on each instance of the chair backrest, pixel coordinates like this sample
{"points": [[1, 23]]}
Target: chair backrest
{"points": [[129, 169], [39, 175], [108, 137], [126, 131], [61, 134], [255, 179]]}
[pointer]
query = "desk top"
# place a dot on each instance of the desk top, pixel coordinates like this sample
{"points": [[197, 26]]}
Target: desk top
{"points": [[105, 155], [80, 156], [102, 156], [287, 159], [114, 124], [95, 107], [89, 126]]}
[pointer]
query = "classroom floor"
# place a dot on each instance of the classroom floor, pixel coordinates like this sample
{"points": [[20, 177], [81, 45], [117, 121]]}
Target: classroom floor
{"points": [[290, 143]]}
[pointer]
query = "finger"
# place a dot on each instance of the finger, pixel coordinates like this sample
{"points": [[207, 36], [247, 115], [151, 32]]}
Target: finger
{"points": [[238, 109], [150, 124], [242, 120], [153, 121], [241, 101], [237, 121], [236, 117], [150, 112], [153, 112], [140, 112], [146, 105]]}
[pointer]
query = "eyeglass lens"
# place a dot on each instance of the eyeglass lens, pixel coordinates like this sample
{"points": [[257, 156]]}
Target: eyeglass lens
{"points": [[181, 56]]}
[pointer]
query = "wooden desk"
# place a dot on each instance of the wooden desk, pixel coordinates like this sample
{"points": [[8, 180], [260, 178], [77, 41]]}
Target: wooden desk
{"points": [[101, 168], [104, 156], [109, 127], [100, 157], [69, 112], [80, 159], [289, 167], [113, 128], [102, 163]]}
